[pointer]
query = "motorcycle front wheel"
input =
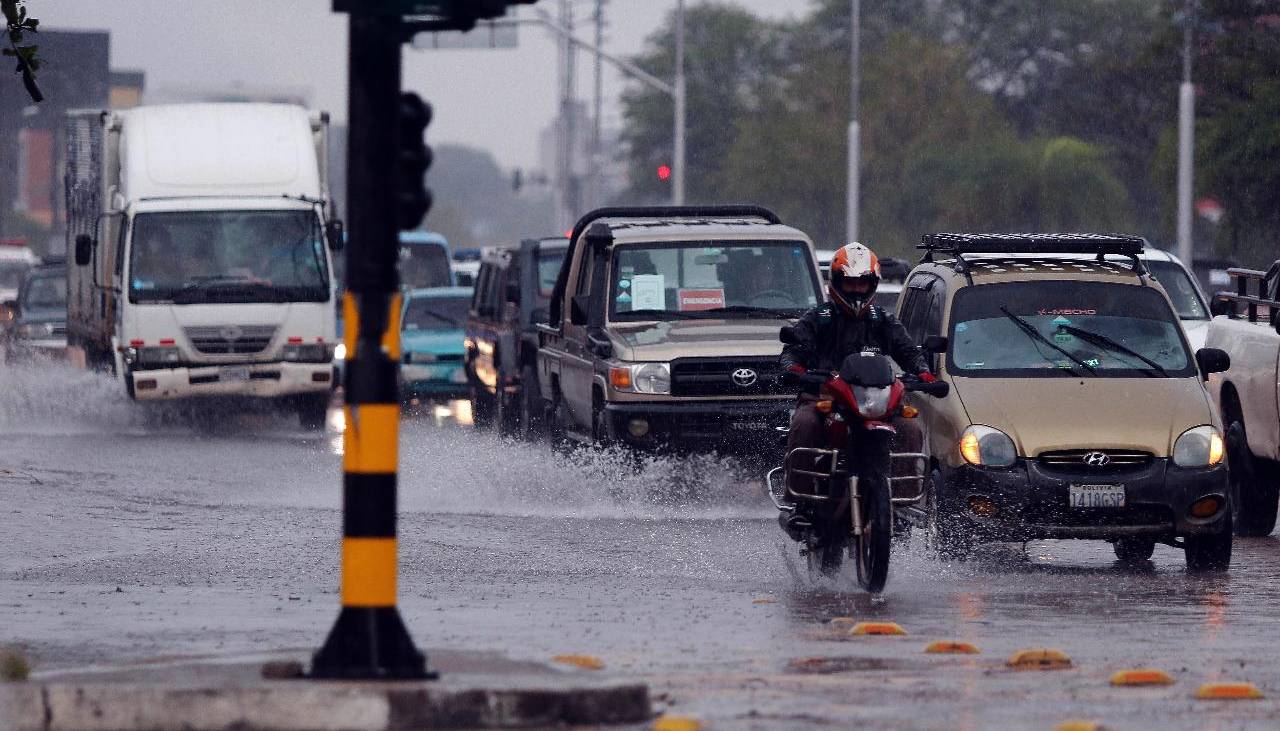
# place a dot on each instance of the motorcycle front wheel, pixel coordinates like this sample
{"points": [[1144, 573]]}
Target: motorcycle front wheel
{"points": [[871, 549]]}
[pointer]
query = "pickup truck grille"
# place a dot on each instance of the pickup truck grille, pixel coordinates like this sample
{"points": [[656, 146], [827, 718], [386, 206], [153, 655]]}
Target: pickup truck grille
{"points": [[726, 377], [243, 340]]}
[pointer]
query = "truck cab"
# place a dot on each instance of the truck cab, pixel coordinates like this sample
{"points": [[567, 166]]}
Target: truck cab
{"points": [[663, 328]]}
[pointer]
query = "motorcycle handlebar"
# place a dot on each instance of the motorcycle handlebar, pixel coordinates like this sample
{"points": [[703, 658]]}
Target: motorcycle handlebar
{"points": [[936, 389]]}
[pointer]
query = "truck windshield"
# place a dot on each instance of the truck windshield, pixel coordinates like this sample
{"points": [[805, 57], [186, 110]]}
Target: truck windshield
{"points": [[228, 256], [1186, 298], [436, 313], [713, 279], [1065, 329], [11, 273]]}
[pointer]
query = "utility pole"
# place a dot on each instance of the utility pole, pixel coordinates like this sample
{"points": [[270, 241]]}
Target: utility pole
{"points": [[1186, 139], [677, 163], [597, 145], [855, 130]]}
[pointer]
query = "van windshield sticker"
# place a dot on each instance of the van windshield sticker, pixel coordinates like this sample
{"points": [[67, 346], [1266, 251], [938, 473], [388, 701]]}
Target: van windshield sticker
{"points": [[1060, 320]]}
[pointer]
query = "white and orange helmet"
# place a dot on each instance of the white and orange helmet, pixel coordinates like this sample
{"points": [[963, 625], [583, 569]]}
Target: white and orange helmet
{"points": [[854, 262]]}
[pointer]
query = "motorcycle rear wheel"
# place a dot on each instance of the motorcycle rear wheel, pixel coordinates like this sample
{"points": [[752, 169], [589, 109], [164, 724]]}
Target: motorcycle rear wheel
{"points": [[872, 548]]}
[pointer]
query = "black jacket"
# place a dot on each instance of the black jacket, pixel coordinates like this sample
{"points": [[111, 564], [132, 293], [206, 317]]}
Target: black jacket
{"points": [[827, 336]]}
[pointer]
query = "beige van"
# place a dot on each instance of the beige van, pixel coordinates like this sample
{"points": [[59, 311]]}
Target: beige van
{"points": [[1077, 408]]}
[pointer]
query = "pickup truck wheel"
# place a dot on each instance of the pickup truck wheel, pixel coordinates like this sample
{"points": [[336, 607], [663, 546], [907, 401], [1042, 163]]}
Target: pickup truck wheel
{"points": [[531, 409], [1255, 486], [1209, 552], [506, 414], [554, 418], [481, 408]]}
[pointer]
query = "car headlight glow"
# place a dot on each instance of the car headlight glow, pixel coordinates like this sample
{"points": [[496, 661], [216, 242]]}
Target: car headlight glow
{"points": [[654, 378], [1199, 447], [340, 351], [987, 447]]}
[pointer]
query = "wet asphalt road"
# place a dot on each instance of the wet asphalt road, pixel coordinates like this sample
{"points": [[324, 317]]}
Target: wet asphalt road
{"points": [[131, 535]]}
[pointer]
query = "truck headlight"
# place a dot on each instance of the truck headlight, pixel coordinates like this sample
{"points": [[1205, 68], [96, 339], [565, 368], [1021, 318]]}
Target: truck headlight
{"points": [[340, 351], [36, 330], [157, 357], [986, 447], [1198, 447], [654, 378], [306, 353]]}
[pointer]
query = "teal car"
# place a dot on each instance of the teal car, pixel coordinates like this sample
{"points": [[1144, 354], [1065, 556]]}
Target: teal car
{"points": [[431, 332]]}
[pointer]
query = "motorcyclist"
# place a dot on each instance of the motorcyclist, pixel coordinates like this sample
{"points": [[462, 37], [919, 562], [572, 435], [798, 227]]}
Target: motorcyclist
{"points": [[827, 334]]}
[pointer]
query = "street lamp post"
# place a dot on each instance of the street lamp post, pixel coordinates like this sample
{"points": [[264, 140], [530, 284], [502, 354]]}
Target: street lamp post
{"points": [[1186, 140], [678, 151], [855, 131]]}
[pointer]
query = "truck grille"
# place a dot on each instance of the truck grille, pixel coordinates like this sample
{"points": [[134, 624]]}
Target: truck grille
{"points": [[1089, 458], [725, 377], [230, 339]]}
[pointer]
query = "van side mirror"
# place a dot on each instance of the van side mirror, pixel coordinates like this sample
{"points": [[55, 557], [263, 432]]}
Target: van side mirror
{"points": [[934, 344], [336, 234], [1212, 360], [84, 249], [578, 307]]}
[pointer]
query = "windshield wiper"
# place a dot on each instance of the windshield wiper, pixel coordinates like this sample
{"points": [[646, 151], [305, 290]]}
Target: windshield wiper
{"points": [[748, 310], [663, 314], [441, 318], [1101, 340], [1030, 331]]}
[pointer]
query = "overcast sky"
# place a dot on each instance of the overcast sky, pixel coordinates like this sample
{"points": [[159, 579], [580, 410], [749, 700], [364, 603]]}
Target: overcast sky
{"points": [[495, 99]]}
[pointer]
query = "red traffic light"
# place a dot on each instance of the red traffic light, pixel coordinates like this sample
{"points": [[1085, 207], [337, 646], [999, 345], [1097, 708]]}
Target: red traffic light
{"points": [[664, 172]]}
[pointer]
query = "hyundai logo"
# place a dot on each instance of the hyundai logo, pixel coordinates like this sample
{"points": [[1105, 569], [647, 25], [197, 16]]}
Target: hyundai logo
{"points": [[744, 378], [1097, 459]]}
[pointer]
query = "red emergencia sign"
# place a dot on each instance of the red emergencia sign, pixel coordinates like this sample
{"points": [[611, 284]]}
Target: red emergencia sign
{"points": [[699, 299]]}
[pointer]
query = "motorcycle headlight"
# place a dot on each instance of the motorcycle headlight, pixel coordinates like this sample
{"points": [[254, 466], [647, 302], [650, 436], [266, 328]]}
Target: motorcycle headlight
{"points": [[1198, 447], [36, 330], [986, 447], [654, 378], [873, 402]]}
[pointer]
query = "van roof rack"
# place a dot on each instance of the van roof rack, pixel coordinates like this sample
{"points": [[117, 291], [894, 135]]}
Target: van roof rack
{"points": [[1048, 244]]}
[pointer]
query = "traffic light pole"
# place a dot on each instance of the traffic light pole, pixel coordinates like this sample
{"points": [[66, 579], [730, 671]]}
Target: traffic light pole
{"points": [[369, 639]]}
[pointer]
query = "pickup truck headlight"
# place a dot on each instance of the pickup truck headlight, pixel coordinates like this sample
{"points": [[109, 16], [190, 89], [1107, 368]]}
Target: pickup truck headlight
{"points": [[654, 378], [36, 330], [306, 353], [1198, 447], [986, 447]]}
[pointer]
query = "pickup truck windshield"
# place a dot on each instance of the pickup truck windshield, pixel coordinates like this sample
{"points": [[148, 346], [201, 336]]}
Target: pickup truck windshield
{"points": [[1065, 329], [195, 257], [436, 313], [45, 293], [1186, 298], [712, 279]]}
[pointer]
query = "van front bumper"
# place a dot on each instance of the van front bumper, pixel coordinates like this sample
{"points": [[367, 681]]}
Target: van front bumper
{"points": [[265, 380], [1031, 501], [733, 427]]}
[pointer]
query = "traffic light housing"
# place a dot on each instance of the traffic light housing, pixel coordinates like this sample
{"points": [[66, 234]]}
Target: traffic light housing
{"points": [[413, 197]]}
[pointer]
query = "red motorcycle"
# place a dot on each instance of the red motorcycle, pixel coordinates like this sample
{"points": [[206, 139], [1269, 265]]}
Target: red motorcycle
{"points": [[843, 501]]}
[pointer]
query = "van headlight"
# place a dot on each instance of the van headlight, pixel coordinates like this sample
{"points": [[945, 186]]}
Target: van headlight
{"points": [[986, 447], [653, 378], [1199, 447]]}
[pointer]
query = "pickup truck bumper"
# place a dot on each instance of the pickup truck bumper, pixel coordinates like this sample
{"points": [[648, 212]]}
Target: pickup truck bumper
{"points": [[732, 427], [1031, 501], [265, 380]]}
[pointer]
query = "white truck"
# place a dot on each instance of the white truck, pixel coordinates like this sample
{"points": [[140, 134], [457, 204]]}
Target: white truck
{"points": [[1247, 327], [201, 238]]}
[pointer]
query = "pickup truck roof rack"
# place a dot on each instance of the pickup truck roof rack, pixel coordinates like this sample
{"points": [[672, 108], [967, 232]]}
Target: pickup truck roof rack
{"points": [[1048, 244], [1266, 294]]}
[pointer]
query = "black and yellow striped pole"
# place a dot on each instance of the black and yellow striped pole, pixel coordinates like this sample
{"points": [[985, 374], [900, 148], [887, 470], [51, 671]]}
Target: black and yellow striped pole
{"points": [[369, 639]]}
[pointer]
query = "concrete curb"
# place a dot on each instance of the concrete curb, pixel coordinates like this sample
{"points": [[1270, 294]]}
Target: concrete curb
{"points": [[300, 705]]}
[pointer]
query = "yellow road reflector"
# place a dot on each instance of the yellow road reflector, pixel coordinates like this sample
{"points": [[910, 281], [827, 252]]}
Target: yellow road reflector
{"points": [[586, 662], [1039, 658], [951, 647], [1141, 676], [677, 723], [1079, 725], [877, 628], [1229, 691], [764, 600]]}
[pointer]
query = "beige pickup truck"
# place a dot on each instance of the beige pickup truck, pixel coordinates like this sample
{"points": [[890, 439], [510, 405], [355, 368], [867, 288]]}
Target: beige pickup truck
{"points": [[1247, 327], [663, 328]]}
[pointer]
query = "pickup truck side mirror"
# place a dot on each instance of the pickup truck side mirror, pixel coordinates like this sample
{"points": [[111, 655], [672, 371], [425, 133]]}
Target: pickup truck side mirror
{"points": [[513, 292], [598, 344], [1275, 319], [934, 344], [1212, 360], [84, 249], [578, 309], [336, 234]]}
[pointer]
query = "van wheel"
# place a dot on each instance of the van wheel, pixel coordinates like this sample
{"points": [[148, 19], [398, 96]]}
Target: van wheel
{"points": [[313, 410], [532, 423], [481, 408], [1255, 486], [1134, 550], [1209, 552], [946, 536]]}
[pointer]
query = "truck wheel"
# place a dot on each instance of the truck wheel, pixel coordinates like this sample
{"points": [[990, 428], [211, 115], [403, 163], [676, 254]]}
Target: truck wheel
{"points": [[1134, 550], [531, 409], [1255, 486], [313, 410], [1209, 552], [481, 408]]}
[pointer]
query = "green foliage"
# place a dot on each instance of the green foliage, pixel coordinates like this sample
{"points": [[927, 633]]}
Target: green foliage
{"points": [[18, 26]]}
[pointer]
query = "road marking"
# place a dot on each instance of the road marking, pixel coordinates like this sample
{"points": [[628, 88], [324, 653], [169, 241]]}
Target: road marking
{"points": [[877, 628], [586, 662], [677, 723], [1228, 691]]}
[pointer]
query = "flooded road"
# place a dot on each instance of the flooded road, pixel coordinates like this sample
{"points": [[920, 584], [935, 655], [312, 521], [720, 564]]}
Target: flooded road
{"points": [[132, 535]]}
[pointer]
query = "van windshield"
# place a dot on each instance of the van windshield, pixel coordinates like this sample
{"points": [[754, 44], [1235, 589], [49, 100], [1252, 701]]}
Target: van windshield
{"points": [[195, 257], [424, 265], [437, 313], [11, 273], [548, 269], [1065, 329], [712, 279]]}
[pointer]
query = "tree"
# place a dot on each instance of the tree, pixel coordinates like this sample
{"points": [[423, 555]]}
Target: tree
{"points": [[18, 26]]}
